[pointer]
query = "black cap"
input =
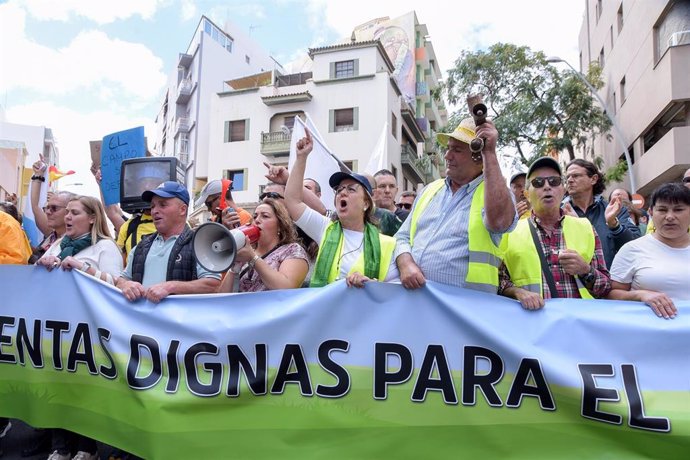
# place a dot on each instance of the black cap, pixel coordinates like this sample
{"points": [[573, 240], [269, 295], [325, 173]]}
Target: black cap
{"points": [[544, 162]]}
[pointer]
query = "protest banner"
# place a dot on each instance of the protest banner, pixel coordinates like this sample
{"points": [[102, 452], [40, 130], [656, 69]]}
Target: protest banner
{"points": [[379, 372], [115, 148]]}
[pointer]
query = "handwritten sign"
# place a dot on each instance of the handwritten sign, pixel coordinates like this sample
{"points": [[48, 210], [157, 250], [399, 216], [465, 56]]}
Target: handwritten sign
{"points": [[115, 148]]}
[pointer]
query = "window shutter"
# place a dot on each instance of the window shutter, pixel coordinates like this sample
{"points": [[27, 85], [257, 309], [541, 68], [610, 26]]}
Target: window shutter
{"points": [[355, 118], [226, 132], [246, 129], [356, 66], [332, 70], [331, 121]]}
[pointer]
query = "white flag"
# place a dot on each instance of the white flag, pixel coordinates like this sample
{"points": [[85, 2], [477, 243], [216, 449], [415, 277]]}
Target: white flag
{"points": [[321, 163], [379, 156], [28, 219]]}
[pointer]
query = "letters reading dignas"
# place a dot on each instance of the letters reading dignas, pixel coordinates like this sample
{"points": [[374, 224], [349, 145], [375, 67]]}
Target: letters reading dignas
{"points": [[205, 373]]}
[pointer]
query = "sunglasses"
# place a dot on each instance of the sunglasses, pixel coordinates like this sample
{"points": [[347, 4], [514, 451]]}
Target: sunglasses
{"points": [[407, 206], [686, 180], [554, 181], [274, 195], [53, 208]]}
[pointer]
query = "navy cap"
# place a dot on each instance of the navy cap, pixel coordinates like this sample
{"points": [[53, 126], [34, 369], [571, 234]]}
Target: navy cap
{"points": [[541, 162], [340, 176], [169, 189]]}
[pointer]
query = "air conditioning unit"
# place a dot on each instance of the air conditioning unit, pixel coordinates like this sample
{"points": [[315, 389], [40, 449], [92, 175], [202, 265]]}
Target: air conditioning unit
{"points": [[679, 38]]}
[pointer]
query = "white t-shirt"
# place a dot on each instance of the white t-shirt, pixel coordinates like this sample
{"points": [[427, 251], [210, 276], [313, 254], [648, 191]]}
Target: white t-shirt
{"points": [[647, 263], [315, 224], [104, 256]]}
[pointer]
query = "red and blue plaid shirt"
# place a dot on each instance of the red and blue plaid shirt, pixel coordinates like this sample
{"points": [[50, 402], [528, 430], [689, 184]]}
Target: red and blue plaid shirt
{"points": [[551, 243]]}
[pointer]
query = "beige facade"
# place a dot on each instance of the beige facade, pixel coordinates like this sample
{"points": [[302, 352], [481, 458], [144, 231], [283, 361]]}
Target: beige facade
{"points": [[644, 49]]}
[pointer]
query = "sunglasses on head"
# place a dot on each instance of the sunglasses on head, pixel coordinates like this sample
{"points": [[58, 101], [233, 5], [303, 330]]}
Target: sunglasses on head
{"points": [[554, 181], [274, 195], [686, 180], [407, 206]]}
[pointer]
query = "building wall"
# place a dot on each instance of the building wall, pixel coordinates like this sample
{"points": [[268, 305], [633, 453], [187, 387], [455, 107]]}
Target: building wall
{"points": [[653, 82]]}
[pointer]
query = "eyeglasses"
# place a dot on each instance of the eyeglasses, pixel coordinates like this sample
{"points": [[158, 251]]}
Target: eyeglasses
{"points": [[53, 208], [407, 206], [576, 176], [274, 195], [554, 181], [349, 189], [686, 180]]}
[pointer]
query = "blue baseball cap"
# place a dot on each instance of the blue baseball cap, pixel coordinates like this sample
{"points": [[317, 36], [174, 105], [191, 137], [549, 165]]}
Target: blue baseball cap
{"points": [[169, 189], [340, 176]]}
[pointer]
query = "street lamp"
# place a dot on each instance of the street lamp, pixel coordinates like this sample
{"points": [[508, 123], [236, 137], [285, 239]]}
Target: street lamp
{"points": [[616, 128]]}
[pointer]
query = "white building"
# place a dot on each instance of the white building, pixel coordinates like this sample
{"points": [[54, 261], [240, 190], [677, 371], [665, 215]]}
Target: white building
{"points": [[21, 146], [644, 50], [213, 56], [353, 90]]}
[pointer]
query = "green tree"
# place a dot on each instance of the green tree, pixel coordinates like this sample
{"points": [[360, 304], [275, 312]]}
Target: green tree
{"points": [[536, 107]]}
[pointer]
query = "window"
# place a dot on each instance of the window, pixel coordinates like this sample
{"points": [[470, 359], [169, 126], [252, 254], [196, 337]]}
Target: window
{"points": [[344, 69], [247, 59], [343, 120], [601, 58], [611, 36], [236, 130], [394, 125], [289, 122], [394, 170], [218, 35], [615, 106], [237, 176], [352, 164], [622, 91], [673, 29], [620, 18]]}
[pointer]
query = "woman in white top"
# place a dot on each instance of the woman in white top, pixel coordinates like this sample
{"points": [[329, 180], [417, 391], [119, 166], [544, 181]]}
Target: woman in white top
{"points": [[86, 244], [654, 269], [350, 247]]}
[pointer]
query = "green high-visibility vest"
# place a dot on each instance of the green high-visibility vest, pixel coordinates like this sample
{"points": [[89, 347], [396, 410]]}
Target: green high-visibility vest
{"points": [[522, 260], [485, 256]]}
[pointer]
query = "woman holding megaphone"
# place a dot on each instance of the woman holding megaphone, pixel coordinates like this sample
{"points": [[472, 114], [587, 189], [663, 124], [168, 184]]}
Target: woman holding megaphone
{"points": [[350, 247], [277, 261]]}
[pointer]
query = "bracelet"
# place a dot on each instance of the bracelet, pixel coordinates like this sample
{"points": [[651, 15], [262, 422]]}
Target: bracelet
{"points": [[85, 267], [38, 178], [253, 261]]}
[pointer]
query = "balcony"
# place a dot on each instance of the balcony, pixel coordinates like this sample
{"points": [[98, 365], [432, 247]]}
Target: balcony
{"points": [[275, 144], [423, 124], [409, 161], [184, 91], [410, 122], [183, 158], [664, 162], [184, 60], [184, 125]]}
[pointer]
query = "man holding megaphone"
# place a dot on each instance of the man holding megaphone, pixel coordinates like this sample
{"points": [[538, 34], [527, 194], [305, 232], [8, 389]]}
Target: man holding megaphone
{"points": [[163, 263]]}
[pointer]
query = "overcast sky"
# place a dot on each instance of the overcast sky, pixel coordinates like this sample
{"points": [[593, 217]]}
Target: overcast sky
{"points": [[86, 68]]}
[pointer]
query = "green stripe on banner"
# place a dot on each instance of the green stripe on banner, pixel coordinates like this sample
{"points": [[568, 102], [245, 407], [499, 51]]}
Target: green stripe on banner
{"points": [[356, 426]]}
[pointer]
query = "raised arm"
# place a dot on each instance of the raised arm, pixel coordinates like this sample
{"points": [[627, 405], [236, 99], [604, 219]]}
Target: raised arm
{"points": [[294, 188], [113, 211], [280, 175], [499, 214], [39, 168]]}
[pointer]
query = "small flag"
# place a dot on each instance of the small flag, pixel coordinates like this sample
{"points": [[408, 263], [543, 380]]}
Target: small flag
{"points": [[55, 174]]}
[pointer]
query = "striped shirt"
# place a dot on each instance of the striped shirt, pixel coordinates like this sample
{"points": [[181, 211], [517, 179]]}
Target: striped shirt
{"points": [[441, 242]]}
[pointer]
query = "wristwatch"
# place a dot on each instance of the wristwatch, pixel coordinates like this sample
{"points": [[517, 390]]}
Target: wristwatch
{"points": [[85, 266], [589, 277], [253, 261]]}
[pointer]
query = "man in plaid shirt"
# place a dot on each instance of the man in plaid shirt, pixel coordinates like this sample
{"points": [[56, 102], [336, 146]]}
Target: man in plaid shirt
{"points": [[573, 255]]}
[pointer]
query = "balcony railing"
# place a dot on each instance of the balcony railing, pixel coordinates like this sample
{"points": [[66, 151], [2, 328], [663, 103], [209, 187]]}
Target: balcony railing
{"points": [[184, 125], [422, 88], [409, 161], [184, 91], [275, 143]]}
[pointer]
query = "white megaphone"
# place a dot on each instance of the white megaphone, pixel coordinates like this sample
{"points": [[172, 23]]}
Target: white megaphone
{"points": [[215, 247]]}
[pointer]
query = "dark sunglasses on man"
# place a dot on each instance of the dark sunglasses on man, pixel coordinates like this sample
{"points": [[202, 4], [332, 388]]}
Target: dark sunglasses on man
{"points": [[539, 182], [273, 195], [407, 206]]}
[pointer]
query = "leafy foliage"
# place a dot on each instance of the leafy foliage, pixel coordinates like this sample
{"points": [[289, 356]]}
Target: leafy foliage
{"points": [[617, 172], [536, 107]]}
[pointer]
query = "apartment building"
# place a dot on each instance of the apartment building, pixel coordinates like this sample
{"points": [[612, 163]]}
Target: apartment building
{"points": [[215, 54], [644, 50], [380, 79]]}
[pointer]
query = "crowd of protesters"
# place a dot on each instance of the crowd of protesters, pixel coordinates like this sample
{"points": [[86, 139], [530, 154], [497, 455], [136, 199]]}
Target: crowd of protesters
{"points": [[548, 233]]}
